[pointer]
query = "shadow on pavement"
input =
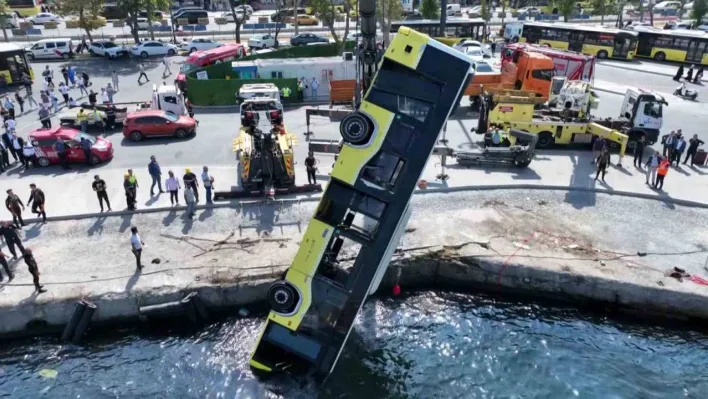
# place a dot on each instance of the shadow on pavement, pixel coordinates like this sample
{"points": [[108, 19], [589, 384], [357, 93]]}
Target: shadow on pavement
{"points": [[34, 231], [97, 227], [132, 281], [583, 176], [169, 218], [125, 222]]}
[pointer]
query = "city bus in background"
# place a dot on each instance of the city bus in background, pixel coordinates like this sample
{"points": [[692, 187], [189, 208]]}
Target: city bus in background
{"points": [[456, 29], [592, 40], [204, 58], [13, 63], [677, 45], [24, 8]]}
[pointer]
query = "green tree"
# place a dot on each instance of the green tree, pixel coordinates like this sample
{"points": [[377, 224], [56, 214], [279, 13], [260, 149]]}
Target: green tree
{"points": [[700, 8], [88, 12], [239, 18], [484, 12], [565, 7], [430, 9], [133, 9], [600, 8], [388, 11], [4, 15], [327, 12]]}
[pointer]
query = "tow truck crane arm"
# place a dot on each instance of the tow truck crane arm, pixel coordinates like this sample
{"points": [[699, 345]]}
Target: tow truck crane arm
{"points": [[368, 52]]}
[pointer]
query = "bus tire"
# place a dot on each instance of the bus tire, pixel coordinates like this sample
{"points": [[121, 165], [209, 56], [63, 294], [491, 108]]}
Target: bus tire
{"points": [[515, 39], [602, 54], [545, 140], [356, 128], [660, 56], [282, 297]]}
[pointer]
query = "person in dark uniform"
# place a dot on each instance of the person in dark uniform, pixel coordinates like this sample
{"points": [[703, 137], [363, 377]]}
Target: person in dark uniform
{"points": [[679, 73], [111, 116], [34, 270], [99, 186], [9, 233], [310, 165], [5, 266], [37, 200], [14, 204], [130, 192]]}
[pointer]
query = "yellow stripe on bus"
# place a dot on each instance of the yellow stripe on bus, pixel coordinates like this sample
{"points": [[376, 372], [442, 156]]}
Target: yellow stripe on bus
{"points": [[671, 54]]}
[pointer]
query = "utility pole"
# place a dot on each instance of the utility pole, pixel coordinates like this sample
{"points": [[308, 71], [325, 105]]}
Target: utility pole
{"points": [[443, 17]]}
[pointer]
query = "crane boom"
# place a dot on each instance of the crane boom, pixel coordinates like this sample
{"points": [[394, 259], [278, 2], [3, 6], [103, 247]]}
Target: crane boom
{"points": [[367, 54]]}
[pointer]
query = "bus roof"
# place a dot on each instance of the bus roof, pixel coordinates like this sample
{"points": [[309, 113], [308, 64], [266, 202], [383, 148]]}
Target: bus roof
{"points": [[7, 47], [671, 32], [450, 21], [224, 50], [586, 28]]}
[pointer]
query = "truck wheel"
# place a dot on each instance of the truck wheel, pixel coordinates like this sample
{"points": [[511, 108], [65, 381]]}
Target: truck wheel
{"points": [[356, 128], [545, 140], [282, 297], [660, 56], [602, 54]]}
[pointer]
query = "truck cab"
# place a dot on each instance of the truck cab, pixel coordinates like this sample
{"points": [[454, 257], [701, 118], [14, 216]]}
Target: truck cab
{"points": [[643, 111], [259, 90], [532, 71], [169, 99]]}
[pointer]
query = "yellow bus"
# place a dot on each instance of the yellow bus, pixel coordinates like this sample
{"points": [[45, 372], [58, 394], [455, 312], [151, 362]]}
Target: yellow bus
{"points": [[673, 45], [365, 207], [592, 40], [456, 29], [24, 8], [13, 63]]}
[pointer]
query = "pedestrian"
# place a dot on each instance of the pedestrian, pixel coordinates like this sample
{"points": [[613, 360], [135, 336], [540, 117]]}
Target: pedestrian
{"points": [[315, 84], [300, 90], [29, 153], [32, 102], [689, 74], [110, 92], [4, 157], [692, 148], [493, 46], [6, 266], [27, 83], [86, 147], [72, 103], [20, 102], [661, 173], [65, 74], [597, 147], [130, 192], [190, 200], [14, 204], [167, 71], [110, 116], [172, 186], [7, 139], [37, 198], [208, 183], [55, 101], [311, 168], [679, 73], [92, 97], [668, 142], [82, 87], [156, 174], [99, 186], [44, 97], [48, 74], [190, 108], [190, 180], [602, 163], [10, 125], [10, 107], [679, 148], [60, 148], [72, 75], [142, 74], [12, 239], [136, 245], [699, 75], [82, 117], [45, 117], [114, 79], [18, 143], [64, 90], [85, 77], [104, 96], [33, 268]]}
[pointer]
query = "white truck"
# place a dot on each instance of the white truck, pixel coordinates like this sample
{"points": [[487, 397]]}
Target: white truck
{"points": [[641, 115]]}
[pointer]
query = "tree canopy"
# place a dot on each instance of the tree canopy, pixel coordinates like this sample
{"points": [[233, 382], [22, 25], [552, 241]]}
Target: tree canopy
{"points": [[430, 9]]}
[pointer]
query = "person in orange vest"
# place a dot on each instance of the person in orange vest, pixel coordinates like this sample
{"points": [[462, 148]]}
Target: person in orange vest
{"points": [[661, 173]]}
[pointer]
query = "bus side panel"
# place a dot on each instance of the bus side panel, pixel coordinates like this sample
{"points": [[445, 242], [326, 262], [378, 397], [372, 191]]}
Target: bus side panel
{"points": [[554, 44], [594, 49], [671, 54]]}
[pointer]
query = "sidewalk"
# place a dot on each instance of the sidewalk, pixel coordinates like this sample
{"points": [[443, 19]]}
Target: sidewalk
{"points": [[646, 67], [70, 193]]}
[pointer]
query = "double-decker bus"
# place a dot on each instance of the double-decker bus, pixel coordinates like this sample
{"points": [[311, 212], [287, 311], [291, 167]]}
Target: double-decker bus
{"points": [[592, 40], [13, 63], [456, 29], [672, 44], [387, 143], [25, 8]]}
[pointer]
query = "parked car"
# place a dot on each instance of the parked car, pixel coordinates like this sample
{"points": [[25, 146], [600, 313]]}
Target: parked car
{"points": [[303, 19], [481, 66], [530, 11], [244, 8], [280, 15], [463, 44], [475, 53], [355, 36], [156, 15], [150, 48], [113, 12], [143, 124], [44, 17], [45, 139], [474, 12], [108, 49], [229, 16], [143, 24], [307, 38], [261, 41], [667, 5], [50, 48], [192, 16], [197, 44]]}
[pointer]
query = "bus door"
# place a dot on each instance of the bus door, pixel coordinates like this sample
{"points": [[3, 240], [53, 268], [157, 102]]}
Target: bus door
{"points": [[622, 46], [696, 49], [575, 41]]}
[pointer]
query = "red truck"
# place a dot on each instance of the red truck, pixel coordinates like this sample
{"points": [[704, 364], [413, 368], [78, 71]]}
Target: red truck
{"points": [[574, 66]]}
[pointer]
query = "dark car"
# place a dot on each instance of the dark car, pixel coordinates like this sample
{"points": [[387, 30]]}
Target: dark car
{"points": [[192, 16], [279, 16], [111, 11], [307, 38]]}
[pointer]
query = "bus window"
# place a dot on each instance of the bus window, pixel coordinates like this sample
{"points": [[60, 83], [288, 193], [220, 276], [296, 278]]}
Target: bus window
{"points": [[543, 74], [412, 107], [452, 31], [383, 170]]}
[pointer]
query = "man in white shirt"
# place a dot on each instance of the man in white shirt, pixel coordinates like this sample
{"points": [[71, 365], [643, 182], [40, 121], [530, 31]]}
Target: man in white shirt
{"points": [[167, 71], [314, 85], [208, 181], [142, 74], [10, 123], [104, 96], [136, 245]]}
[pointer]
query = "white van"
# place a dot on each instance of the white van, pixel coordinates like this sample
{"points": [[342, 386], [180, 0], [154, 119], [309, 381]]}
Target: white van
{"points": [[453, 10], [50, 48]]}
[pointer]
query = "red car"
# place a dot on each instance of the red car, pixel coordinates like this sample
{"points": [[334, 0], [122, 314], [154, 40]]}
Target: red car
{"points": [[155, 123], [45, 139]]}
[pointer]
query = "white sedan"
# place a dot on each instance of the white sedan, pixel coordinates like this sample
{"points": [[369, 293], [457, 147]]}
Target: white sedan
{"points": [[464, 44], [475, 53], [200, 44], [148, 48], [44, 17], [107, 49], [261, 41], [229, 16]]}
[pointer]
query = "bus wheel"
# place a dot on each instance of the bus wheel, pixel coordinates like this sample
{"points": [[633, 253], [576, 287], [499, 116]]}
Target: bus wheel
{"points": [[356, 128], [602, 54], [282, 297], [515, 39], [660, 56], [545, 140]]}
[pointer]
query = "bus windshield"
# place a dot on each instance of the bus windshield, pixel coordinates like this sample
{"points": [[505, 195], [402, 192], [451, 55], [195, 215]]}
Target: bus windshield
{"points": [[187, 67]]}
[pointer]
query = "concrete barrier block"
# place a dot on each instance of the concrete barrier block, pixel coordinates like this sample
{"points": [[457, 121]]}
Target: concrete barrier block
{"points": [[33, 32], [221, 21], [18, 32], [25, 25], [263, 20], [50, 25], [203, 21], [72, 24], [182, 21]]}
